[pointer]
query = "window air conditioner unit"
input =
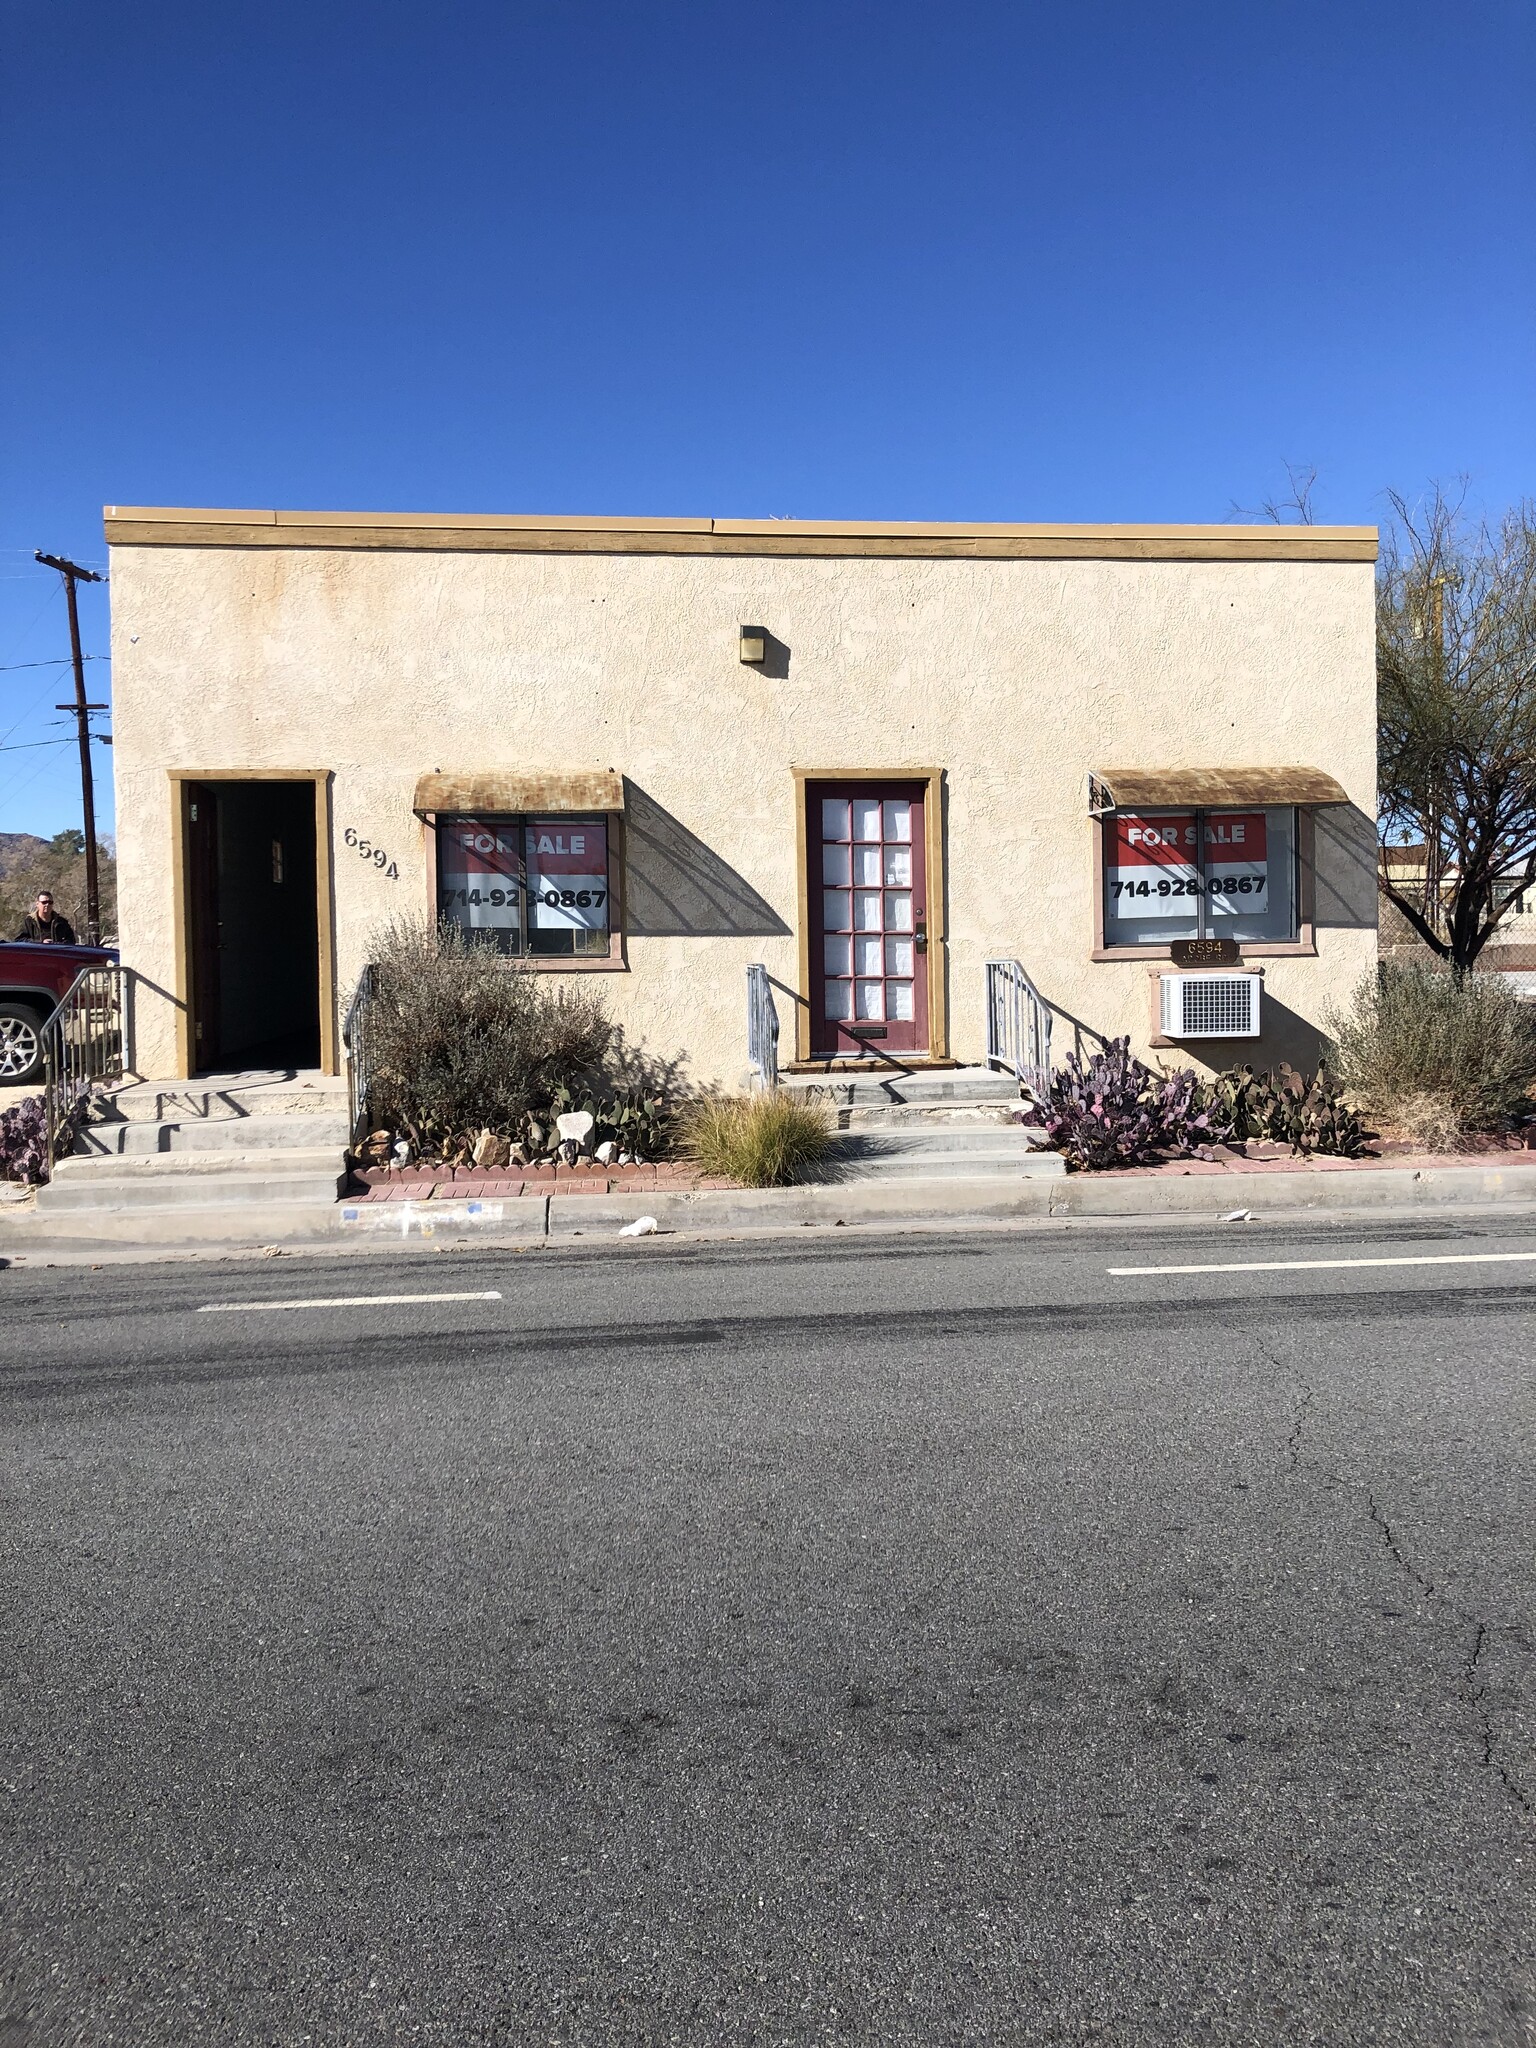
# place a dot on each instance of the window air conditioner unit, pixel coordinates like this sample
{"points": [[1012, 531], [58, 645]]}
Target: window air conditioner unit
{"points": [[1211, 1005]]}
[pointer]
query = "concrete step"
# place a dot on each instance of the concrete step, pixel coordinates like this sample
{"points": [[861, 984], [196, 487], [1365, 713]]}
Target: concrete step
{"points": [[155, 1169], [142, 1136], [945, 1153], [920, 1141], [224, 1095], [212, 1180], [919, 1089]]}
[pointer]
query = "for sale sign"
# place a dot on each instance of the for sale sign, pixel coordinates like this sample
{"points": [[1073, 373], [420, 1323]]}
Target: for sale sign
{"points": [[568, 874], [1158, 869], [478, 875]]}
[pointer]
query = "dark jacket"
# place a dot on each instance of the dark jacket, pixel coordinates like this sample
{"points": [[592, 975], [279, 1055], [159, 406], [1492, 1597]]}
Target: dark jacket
{"points": [[58, 932]]}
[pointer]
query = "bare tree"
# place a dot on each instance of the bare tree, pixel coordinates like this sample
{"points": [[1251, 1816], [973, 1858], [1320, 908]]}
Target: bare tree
{"points": [[1456, 695], [1295, 509]]}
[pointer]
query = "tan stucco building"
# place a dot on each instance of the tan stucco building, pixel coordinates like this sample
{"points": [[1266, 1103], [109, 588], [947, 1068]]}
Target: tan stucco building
{"points": [[870, 757]]}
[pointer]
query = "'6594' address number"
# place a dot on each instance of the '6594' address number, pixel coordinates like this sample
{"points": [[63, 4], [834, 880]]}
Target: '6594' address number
{"points": [[366, 850]]}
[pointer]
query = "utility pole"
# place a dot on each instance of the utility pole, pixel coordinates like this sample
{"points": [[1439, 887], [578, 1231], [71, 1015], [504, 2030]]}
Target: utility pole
{"points": [[73, 574]]}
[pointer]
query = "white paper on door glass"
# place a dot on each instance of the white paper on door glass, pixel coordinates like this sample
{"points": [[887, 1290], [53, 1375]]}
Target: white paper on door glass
{"points": [[834, 910], [867, 956], [839, 996], [866, 867], [866, 818], [898, 956], [898, 821], [834, 817], [835, 955], [834, 865], [898, 996], [871, 1000], [898, 867], [867, 911], [898, 912]]}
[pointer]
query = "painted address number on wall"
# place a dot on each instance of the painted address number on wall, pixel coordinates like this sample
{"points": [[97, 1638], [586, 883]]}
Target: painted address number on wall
{"points": [[366, 850]]}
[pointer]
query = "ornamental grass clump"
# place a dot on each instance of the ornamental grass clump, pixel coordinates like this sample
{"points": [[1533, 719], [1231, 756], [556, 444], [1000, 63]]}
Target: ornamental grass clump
{"points": [[1438, 1055], [766, 1140]]}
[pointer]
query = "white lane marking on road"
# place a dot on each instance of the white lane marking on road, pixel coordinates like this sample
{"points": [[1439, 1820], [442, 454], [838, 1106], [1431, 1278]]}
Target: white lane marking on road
{"points": [[1322, 1265], [214, 1308]]}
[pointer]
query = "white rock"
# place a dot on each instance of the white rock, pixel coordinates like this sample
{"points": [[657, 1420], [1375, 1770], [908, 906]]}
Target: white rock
{"points": [[605, 1151], [576, 1125], [643, 1226], [1238, 1216]]}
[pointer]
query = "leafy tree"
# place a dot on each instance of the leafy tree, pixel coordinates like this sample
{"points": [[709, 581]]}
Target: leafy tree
{"points": [[1456, 688]]}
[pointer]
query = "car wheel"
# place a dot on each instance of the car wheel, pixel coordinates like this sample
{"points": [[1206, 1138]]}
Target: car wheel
{"points": [[21, 1044]]}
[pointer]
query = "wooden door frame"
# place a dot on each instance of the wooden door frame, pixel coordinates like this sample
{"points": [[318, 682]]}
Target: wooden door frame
{"points": [[325, 920], [937, 885]]}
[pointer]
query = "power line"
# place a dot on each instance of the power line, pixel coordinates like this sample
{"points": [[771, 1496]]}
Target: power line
{"points": [[58, 661]]}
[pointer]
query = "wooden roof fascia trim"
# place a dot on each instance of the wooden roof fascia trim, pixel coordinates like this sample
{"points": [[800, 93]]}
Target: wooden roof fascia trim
{"points": [[629, 541]]}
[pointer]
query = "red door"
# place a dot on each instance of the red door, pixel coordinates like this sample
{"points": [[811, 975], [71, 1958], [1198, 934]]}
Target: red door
{"points": [[869, 918]]}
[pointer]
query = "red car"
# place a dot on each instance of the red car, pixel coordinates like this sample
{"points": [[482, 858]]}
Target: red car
{"points": [[33, 981]]}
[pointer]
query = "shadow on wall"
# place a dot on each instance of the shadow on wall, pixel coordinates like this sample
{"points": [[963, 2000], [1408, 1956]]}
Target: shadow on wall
{"points": [[677, 887], [1345, 895]]}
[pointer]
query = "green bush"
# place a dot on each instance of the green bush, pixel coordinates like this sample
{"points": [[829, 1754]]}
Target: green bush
{"points": [[767, 1140], [1438, 1055], [461, 1039]]}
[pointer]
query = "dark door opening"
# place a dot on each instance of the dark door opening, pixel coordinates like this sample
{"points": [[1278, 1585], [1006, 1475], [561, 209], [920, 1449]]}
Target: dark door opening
{"points": [[254, 927]]}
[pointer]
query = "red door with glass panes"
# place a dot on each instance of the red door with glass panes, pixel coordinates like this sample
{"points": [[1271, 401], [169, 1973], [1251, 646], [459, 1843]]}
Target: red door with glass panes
{"points": [[869, 918]]}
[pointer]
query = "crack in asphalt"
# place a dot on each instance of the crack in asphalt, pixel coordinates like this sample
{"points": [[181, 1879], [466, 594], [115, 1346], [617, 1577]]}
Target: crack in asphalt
{"points": [[1476, 1691]]}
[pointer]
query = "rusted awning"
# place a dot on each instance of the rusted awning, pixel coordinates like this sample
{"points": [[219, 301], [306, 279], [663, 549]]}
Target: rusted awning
{"points": [[1209, 789], [500, 792]]}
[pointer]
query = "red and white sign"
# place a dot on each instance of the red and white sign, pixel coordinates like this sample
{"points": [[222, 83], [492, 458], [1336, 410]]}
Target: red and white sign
{"points": [[568, 874], [1155, 870], [477, 876]]}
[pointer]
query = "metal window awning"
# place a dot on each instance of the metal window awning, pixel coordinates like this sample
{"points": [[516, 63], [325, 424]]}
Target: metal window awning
{"points": [[1209, 789], [502, 793]]}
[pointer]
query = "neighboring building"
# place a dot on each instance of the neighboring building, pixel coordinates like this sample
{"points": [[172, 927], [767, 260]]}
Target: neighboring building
{"points": [[871, 757], [1510, 952]]}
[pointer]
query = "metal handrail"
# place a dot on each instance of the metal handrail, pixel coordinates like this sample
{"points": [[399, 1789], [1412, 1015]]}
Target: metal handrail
{"points": [[1018, 1026], [354, 1036], [762, 1027], [82, 1047]]}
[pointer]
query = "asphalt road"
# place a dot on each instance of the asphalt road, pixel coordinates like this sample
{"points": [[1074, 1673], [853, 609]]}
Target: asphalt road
{"points": [[878, 1640]]}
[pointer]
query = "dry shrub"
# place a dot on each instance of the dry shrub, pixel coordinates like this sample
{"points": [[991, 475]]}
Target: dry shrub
{"points": [[1436, 1054], [766, 1140], [462, 1039]]}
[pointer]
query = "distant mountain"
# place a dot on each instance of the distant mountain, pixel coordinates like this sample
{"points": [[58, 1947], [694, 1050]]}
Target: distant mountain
{"points": [[17, 849]]}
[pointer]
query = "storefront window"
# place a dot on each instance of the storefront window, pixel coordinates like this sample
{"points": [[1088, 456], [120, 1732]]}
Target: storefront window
{"points": [[527, 886], [1199, 875]]}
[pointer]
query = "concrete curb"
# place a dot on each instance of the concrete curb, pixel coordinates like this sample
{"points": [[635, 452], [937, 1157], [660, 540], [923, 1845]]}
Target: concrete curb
{"points": [[939, 1204]]}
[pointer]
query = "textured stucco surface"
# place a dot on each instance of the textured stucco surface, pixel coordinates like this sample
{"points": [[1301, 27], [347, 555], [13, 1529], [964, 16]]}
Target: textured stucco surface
{"points": [[1014, 677]]}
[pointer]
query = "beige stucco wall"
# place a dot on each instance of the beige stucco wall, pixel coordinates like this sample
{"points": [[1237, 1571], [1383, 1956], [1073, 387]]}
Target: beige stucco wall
{"points": [[1016, 677]]}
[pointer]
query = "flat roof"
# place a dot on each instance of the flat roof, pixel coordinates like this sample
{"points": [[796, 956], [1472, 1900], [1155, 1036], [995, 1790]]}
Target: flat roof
{"points": [[560, 533]]}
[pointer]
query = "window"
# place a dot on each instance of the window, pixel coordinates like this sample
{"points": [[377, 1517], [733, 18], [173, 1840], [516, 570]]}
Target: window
{"points": [[533, 887], [1200, 875]]}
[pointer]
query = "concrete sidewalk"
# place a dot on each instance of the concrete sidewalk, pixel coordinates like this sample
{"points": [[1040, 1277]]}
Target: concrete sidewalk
{"points": [[1305, 1188]]}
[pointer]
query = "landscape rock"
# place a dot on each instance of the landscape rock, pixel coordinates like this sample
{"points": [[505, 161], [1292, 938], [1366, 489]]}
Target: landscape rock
{"points": [[576, 1126]]}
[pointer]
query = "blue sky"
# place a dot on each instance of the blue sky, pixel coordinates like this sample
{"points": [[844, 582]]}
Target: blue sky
{"points": [[797, 258]]}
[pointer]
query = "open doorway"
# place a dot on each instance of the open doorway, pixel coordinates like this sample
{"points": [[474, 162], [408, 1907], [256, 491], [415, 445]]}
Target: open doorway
{"points": [[254, 966]]}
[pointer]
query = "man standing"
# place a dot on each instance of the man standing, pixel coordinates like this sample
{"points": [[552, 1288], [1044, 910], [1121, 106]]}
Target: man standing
{"points": [[46, 926]]}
